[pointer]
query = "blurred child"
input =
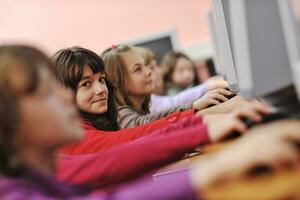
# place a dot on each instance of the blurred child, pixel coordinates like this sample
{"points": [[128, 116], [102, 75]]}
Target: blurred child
{"points": [[179, 72], [133, 81], [42, 118], [159, 102]]}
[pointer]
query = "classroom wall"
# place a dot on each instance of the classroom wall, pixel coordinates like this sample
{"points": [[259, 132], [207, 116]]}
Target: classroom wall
{"points": [[96, 24], [296, 7]]}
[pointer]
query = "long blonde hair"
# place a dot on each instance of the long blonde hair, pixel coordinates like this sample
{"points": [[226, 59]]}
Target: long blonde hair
{"points": [[117, 73]]}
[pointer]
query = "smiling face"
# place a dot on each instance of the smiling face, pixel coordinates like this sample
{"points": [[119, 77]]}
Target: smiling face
{"points": [[92, 93], [139, 76]]}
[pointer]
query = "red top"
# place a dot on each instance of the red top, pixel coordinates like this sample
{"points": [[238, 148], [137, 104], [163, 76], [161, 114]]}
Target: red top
{"points": [[97, 140], [134, 158]]}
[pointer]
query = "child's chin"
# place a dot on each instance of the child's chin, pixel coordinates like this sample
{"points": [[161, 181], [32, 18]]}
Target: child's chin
{"points": [[102, 111]]}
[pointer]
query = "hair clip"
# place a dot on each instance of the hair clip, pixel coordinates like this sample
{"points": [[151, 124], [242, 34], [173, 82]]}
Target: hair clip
{"points": [[114, 46]]}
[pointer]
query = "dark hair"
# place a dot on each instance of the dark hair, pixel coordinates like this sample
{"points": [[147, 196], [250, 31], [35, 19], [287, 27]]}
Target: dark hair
{"points": [[8, 128], [69, 64], [28, 60], [116, 71]]}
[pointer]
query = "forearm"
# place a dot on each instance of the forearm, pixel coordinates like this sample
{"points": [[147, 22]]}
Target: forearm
{"points": [[127, 118], [110, 167]]}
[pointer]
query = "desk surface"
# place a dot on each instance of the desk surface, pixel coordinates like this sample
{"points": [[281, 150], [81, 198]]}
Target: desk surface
{"points": [[282, 185]]}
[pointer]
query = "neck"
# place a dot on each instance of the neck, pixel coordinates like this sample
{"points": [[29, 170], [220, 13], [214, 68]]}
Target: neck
{"points": [[159, 90], [38, 160], [137, 101]]}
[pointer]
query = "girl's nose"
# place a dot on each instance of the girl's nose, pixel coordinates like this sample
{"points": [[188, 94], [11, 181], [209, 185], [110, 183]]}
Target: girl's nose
{"points": [[98, 88], [148, 71]]}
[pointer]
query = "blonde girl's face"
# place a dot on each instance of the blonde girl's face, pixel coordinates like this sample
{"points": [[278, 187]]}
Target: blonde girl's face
{"points": [[139, 80], [157, 75]]}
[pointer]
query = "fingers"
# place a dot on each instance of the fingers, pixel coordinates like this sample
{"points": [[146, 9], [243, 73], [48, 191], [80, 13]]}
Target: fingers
{"points": [[221, 91], [212, 101], [253, 111], [293, 137], [283, 155], [249, 113], [220, 97], [287, 157], [217, 96], [257, 105], [217, 82], [238, 125], [223, 126]]}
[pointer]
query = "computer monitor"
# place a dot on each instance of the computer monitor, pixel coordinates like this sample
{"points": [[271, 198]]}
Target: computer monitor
{"points": [[213, 38], [291, 28], [159, 43], [260, 53], [226, 60], [295, 4]]}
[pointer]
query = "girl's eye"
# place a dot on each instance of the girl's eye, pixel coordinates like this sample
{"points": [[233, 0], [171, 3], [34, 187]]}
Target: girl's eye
{"points": [[86, 84], [102, 80], [138, 69], [151, 67]]}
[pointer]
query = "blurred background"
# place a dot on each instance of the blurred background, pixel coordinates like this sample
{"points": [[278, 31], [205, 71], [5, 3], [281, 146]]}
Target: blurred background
{"points": [[96, 24]]}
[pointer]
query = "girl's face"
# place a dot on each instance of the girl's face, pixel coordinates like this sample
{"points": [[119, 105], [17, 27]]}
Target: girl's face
{"points": [[157, 74], [183, 74], [48, 118], [139, 76], [92, 93]]}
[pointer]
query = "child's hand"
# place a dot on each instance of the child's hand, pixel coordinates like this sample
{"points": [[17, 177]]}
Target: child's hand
{"points": [[213, 97], [216, 82], [221, 125], [255, 151]]}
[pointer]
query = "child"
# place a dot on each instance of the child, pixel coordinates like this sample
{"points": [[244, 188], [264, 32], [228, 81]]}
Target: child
{"points": [[28, 154], [159, 102], [133, 81], [179, 72], [83, 71], [43, 121]]}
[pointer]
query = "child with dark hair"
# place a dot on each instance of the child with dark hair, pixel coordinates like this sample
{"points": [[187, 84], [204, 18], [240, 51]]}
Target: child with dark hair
{"points": [[43, 119], [83, 71]]}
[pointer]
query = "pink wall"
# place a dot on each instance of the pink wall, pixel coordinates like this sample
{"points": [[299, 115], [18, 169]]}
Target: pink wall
{"points": [[96, 24], [296, 7]]}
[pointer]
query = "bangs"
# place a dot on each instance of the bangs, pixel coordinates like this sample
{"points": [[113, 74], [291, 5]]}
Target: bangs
{"points": [[70, 64]]}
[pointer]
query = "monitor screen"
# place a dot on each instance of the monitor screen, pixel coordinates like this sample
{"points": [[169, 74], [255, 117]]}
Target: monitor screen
{"points": [[214, 40], [295, 4], [159, 43], [289, 19], [159, 46], [260, 53], [226, 58]]}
